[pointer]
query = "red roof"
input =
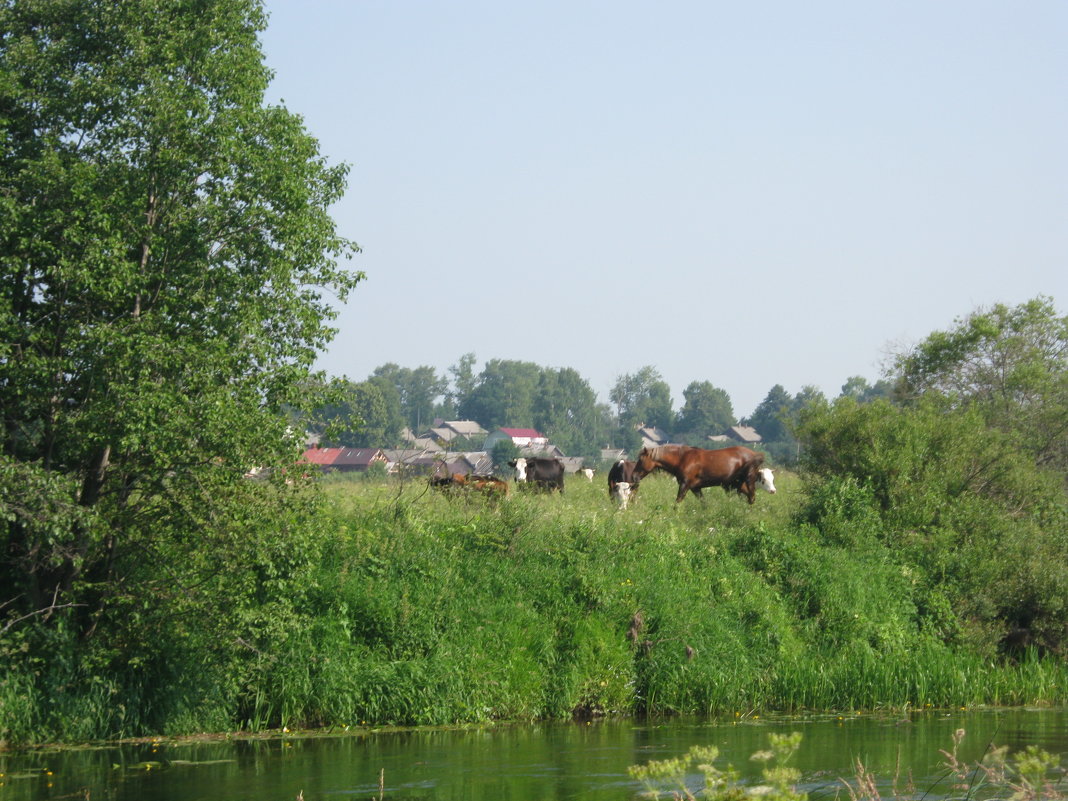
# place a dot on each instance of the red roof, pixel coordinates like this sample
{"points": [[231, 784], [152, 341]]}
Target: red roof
{"points": [[321, 455], [523, 432], [336, 457]]}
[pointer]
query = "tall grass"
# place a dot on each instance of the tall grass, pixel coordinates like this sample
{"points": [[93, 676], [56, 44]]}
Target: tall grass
{"points": [[413, 608], [438, 610]]}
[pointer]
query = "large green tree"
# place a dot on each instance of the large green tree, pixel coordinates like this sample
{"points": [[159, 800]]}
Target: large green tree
{"points": [[643, 398], [503, 394], [168, 262], [706, 410], [565, 410], [1009, 362], [768, 417], [418, 389], [360, 417]]}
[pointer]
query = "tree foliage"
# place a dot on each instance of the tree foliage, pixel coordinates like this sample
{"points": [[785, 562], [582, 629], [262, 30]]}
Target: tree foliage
{"points": [[963, 474], [565, 410], [706, 410], [362, 416], [418, 391], [503, 394], [169, 263], [643, 398], [1011, 363]]}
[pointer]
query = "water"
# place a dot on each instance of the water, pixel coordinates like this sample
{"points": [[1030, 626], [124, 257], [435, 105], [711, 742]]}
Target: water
{"points": [[551, 761]]}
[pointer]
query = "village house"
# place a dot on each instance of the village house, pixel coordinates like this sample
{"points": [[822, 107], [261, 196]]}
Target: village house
{"points": [[445, 432], [525, 439], [345, 460], [653, 437], [743, 434]]}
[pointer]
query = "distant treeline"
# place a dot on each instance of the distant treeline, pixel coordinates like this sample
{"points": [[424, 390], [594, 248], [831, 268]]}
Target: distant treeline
{"points": [[557, 402]]}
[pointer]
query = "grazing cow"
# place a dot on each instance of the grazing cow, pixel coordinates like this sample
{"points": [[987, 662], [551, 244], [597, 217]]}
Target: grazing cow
{"points": [[449, 483], [539, 472], [622, 492], [520, 467], [622, 472], [490, 485], [734, 468], [588, 472]]}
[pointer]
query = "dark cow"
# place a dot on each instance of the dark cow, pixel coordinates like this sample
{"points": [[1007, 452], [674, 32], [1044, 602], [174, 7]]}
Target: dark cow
{"points": [[449, 483], [539, 472], [734, 468], [622, 483]]}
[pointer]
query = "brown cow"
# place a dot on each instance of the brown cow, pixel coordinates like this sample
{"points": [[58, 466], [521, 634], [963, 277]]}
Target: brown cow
{"points": [[734, 468], [491, 485], [449, 483]]}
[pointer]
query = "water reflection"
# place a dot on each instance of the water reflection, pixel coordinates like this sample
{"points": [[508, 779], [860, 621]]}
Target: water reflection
{"points": [[550, 761]]}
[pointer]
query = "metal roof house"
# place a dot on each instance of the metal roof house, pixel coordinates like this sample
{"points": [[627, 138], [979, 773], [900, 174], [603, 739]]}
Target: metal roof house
{"points": [[345, 460], [744, 434], [523, 438], [446, 431]]}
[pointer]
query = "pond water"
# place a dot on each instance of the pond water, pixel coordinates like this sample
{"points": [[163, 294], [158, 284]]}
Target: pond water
{"points": [[586, 761]]}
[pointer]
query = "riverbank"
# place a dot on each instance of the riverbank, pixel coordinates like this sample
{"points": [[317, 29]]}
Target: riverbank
{"points": [[396, 606]]}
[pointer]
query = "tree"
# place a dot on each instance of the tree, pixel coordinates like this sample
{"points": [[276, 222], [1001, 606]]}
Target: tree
{"points": [[463, 381], [706, 410], [1009, 362], [361, 419], [503, 394], [168, 263], [565, 410], [418, 391], [767, 418], [858, 388], [643, 398], [503, 452]]}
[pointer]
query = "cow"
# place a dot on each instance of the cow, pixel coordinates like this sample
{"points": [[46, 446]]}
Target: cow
{"points": [[619, 476], [539, 472], [734, 468], [490, 485], [450, 482], [588, 472]]}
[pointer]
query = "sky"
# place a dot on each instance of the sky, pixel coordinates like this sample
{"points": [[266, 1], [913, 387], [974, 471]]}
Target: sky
{"points": [[749, 194]]}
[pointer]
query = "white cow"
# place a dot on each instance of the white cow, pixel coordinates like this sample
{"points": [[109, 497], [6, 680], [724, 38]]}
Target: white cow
{"points": [[621, 492], [588, 472]]}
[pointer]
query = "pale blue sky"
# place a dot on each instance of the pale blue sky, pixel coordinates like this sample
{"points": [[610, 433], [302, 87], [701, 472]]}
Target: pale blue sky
{"points": [[747, 193]]}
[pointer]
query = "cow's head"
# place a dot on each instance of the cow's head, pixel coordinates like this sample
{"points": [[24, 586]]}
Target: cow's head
{"points": [[520, 466], [767, 478]]}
